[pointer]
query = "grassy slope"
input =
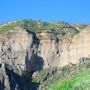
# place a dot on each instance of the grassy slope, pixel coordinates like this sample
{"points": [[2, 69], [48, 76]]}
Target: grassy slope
{"points": [[67, 76], [9, 27], [58, 28], [75, 78], [80, 82]]}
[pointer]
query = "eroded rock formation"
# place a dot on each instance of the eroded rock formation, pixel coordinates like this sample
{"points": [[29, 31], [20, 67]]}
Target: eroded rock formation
{"points": [[26, 52]]}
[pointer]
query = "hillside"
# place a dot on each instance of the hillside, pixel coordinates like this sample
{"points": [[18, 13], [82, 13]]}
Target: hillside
{"points": [[37, 55]]}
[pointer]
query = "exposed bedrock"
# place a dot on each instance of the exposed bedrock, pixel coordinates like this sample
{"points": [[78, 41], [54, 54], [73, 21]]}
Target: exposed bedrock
{"points": [[23, 50]]}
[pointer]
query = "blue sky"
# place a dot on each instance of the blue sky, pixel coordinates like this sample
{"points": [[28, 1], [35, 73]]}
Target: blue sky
{"points": [[70, 11]]}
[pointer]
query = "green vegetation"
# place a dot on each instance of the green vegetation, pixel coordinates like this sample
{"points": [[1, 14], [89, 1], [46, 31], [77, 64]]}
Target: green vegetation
{"points": [[80, 82], [82, 27], [60, 79], [9, 27], [35, 26], [55, 29], [74, 78], [41, 75]]}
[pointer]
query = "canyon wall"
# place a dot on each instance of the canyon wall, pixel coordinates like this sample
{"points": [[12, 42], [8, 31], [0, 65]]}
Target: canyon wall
{"points": [[23, 50]]}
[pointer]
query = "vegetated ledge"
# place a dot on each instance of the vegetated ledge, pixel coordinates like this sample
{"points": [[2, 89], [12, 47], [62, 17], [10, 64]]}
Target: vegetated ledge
{"points": [[60, 79], [53, 29]]}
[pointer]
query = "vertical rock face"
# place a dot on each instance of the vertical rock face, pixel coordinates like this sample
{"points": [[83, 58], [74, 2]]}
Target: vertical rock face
{"points": [[80, 46], [16, 48], [50, 51], [23, 50], [59, 53], [4, 80]]}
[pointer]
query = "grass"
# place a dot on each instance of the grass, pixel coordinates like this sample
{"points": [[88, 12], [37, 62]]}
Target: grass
{"points": [[73, 78], [82, 27], [67, 75], [40, 76], [9, 27], [80, 82], [63, 29], [35, 26], [56, 28]]}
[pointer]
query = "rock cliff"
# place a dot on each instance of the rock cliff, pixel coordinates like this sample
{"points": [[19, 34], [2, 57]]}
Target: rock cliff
{"points": [[26, 51], [23, 49], [4, 80]]}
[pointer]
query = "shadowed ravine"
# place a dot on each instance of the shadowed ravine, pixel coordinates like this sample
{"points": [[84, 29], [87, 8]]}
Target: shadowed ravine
{"points": [[24, 81]]}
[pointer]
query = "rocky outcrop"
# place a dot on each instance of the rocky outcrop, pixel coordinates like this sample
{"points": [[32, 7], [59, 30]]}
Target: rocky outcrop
{"points": [[26, 52], [18, 49], [59, 53], [23, 50], [4, 79]]}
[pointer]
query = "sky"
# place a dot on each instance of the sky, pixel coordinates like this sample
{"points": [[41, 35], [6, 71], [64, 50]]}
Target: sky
{"points": [[70, 11]]}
